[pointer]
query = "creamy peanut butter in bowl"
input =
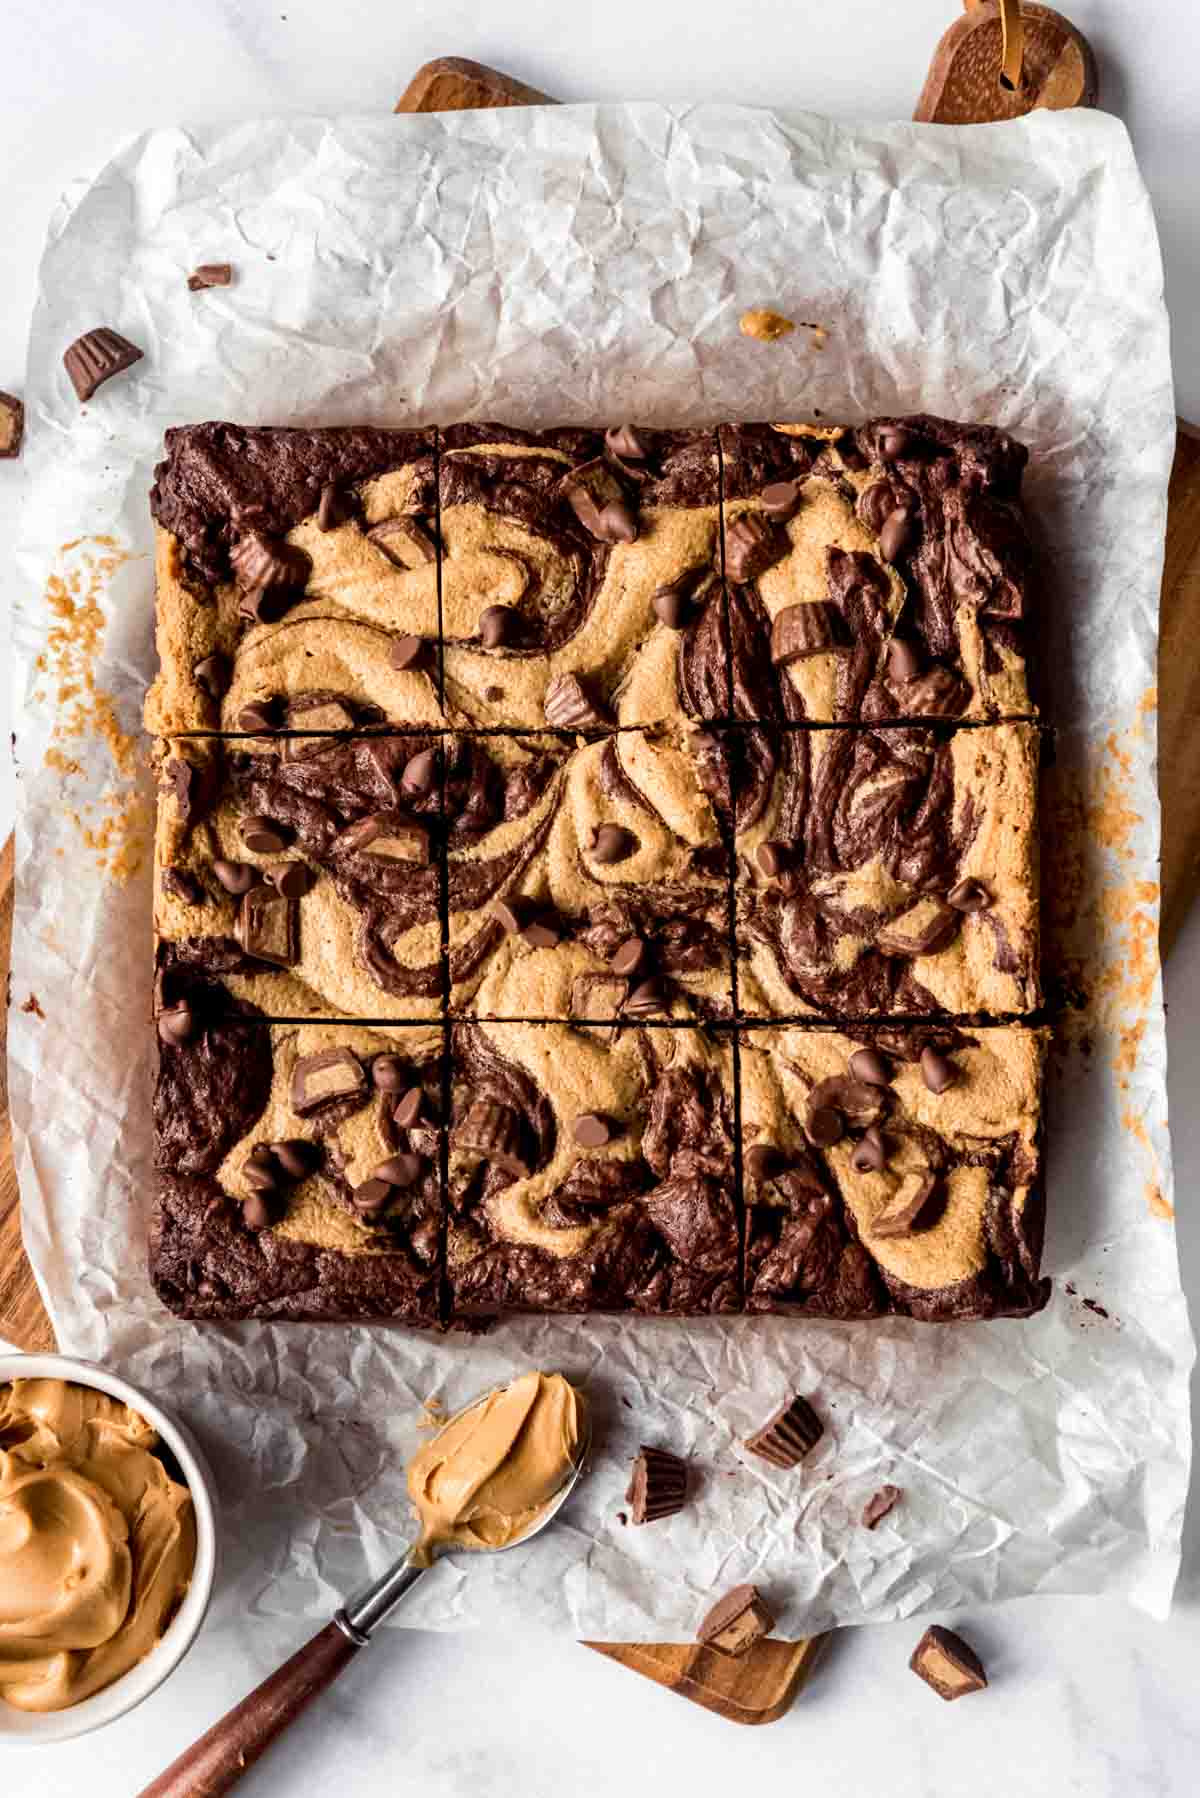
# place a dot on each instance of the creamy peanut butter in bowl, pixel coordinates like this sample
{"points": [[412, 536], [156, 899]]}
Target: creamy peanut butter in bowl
{"points": [[107, 1546]]}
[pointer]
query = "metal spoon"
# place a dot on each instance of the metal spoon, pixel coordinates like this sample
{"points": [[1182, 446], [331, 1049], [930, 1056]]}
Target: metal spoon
{"points": [[216, 1761]]}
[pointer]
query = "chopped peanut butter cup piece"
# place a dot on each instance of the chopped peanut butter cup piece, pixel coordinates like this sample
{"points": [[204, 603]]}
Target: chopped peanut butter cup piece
{"points": [[752, 545], [812, 629], [879, 1505], [12, 425], [568, 706], [268, 926], [210, 274], [493, 1132], [599, 501], [386, 837], [327, 1078], [787, 1437], [404, 541], [948, 1664], [915, 1201], [658, 1485], [737, 1621]]}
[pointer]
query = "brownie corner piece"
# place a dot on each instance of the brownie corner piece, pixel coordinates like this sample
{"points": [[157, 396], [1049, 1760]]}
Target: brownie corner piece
{"points": [[297, 1168], [591, 1171], [581, 874], [876, 573], [581, 576], [302, 870], [294, 569], [888, 872], [893, 1169]]}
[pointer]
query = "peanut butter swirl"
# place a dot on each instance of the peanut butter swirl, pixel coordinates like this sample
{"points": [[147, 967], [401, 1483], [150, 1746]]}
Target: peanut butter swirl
{"points": [[97, 1542]]}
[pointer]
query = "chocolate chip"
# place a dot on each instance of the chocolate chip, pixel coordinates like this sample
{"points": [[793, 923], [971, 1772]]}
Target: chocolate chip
{"points": [[857, 1100], [399, 1170], [870, 1155], [292, 879], [814, 628], [936, 1071], [897, 533], [968, 896], [648, 999], [407, 652], [263, 835], [624, 441], [420, 773], [210, 274], [568, 705], [258, 1213], [871, 1066], [893, 443], [672, 603], [592, 1130], [389, 1073], [95, 357], [408, 1109], [824, 1125], [612, 843], [904, 661], [176, 1023], [371, 1197], [510, 915], [260, 716], [332, 509], [629, 957], [763, 1161], [262, 1155], [296, 1157], [541, 933], [259, 1177], [493, 694], [752, 545], [773, 858], [211, 675], [497, 626], [780, 499], [183, 885]]}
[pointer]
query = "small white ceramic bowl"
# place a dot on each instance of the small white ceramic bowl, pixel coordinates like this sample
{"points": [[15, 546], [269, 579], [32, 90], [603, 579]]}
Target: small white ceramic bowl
{"points": [[36, 1728]]}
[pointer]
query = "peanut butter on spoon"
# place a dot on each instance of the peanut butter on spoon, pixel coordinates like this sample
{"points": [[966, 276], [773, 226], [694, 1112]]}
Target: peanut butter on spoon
{"points": [[492, 1473]]}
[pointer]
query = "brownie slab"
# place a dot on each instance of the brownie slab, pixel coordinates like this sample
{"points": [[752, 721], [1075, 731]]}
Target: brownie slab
{"points": [[893, 1170], [591, 1171], [297, 1167], [581, 576], [582, 873], [296, 576], [303, 872], [877, 573], [887, 872]]}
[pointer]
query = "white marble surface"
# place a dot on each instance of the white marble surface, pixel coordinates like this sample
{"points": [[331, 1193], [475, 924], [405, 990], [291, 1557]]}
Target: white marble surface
{"points": [[1086, 1698]]}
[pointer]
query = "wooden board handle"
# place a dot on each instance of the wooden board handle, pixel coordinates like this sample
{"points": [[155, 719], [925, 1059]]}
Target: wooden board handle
{"points": [[216, 1762]]}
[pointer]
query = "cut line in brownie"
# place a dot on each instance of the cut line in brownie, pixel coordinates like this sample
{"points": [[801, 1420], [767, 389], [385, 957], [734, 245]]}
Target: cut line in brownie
{"points": [[889, 872], [586, 878], [591, 1169], [298, 1167], [893, 1169], [875, 572], [303, 872]]}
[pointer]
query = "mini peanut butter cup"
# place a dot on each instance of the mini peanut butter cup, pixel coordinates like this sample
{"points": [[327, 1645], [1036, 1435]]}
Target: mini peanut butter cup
{"points": [[658, 1487], [737, 1621]]}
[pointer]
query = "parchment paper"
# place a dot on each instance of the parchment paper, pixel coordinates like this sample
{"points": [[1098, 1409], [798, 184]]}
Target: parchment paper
{"points": [[586, 263]]}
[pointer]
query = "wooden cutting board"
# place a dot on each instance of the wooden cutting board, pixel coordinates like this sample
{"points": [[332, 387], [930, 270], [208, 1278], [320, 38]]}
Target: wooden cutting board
{"points": [[759, 1687]]}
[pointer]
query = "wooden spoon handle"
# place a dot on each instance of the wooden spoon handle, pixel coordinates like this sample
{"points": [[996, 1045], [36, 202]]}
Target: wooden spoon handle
{"points": [[216, 1762]]}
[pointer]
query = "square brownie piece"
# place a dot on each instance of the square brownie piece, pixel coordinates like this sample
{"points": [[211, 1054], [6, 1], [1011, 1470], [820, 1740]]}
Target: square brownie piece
{"points": [[304, 872], [296, 578], [875, 573], [581, 579], [589, 875], [591, 1170], [893, 1170], [887, 872], [297, 1166]]}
